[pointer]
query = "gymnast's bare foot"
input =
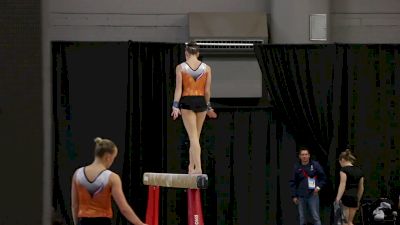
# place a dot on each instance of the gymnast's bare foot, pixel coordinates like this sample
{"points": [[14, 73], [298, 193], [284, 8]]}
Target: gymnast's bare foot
{"points": [[190, 169], [197, 171]]}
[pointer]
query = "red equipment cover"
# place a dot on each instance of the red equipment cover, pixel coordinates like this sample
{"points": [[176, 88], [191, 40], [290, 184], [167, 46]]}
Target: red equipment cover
{"points": [[153, 202], [195, 212]]}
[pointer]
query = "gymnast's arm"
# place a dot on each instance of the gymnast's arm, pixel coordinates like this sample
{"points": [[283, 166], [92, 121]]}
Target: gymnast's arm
{"points": [[342, 186], [207, 95], [360, 190], [178, 92], [178, 84], [119, 198], [399, 203], [74, 201], [207, 91]]}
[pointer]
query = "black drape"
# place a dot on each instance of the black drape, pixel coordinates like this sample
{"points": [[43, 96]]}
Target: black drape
{"points": [[373, 81], [150, 91], [305, 84], [123, 91], [327, 95], [89, 100], [305, 88], [241, 150], [334, 95]]}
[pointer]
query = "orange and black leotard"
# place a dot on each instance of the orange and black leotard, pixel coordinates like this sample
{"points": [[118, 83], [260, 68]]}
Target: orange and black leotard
{"points": [[94, 197], [193, 87], [193, 80]]}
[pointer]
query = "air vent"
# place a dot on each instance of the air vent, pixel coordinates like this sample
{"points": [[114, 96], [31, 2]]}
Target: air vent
{"points": [[236, 45]]}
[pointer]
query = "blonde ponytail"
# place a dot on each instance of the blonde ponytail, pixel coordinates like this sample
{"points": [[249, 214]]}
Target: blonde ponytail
{"points": [[348, 156]]}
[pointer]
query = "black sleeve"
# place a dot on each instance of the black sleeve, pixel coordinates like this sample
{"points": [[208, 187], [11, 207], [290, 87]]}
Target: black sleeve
{"points": [[293, 182]]}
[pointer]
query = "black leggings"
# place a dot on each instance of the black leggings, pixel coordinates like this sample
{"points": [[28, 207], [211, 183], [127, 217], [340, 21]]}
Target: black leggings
{"points": [[95, 221]]}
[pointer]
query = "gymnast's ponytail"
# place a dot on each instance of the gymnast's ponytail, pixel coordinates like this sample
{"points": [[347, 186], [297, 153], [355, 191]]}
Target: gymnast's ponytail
{"points": [[348, 156]]}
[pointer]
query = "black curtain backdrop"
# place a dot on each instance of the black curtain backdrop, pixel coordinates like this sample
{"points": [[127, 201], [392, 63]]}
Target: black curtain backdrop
{"points": [[235, 151], [305, 87], [334, 95], [152, 146], [305, 84], [373, 87], [242, 150], [327, 96], [89, 100]]}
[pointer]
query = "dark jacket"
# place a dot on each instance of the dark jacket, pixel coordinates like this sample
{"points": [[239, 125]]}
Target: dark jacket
{"points": [[299, 182]]}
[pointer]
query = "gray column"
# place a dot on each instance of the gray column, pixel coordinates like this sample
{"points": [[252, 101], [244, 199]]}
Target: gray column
{"points": [[47, 165], [290, 20], [21, 127]]}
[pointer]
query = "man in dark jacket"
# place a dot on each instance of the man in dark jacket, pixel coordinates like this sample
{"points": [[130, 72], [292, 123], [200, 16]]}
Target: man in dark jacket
{"points": [[307, 180]]}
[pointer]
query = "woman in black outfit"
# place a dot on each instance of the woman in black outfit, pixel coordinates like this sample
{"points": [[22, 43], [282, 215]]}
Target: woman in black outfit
{"points": [[351, 185]]}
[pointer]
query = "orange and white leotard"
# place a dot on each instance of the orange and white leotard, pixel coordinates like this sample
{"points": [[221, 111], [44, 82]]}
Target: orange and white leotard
{"points": [[193, 80], [94, 197]]}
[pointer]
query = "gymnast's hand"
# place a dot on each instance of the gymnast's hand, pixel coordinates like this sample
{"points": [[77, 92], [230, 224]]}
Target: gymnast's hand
{"points": [[211, 113], [175, 113]]}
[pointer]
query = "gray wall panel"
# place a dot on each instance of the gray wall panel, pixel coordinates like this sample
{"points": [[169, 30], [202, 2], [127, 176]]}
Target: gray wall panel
{"points": [[139, 20], [235, 77], [366, 28], [157, 6], [100, 33], [365, 21], [290, 19], [365, 6]]}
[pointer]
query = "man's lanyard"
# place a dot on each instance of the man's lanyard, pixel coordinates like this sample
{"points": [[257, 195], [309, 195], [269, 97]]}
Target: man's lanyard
{"points": [[311, 181], [306, 175]]}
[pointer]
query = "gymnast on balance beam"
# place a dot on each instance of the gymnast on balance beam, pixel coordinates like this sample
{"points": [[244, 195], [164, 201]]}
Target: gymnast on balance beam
{"points": [[192, 101]]}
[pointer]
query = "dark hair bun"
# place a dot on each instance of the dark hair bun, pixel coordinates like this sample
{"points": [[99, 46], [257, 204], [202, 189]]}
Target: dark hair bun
{"points": [[192, 44]]}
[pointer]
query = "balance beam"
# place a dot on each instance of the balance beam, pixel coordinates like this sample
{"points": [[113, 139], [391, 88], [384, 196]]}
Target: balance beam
{"points": [[192, 181]]}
